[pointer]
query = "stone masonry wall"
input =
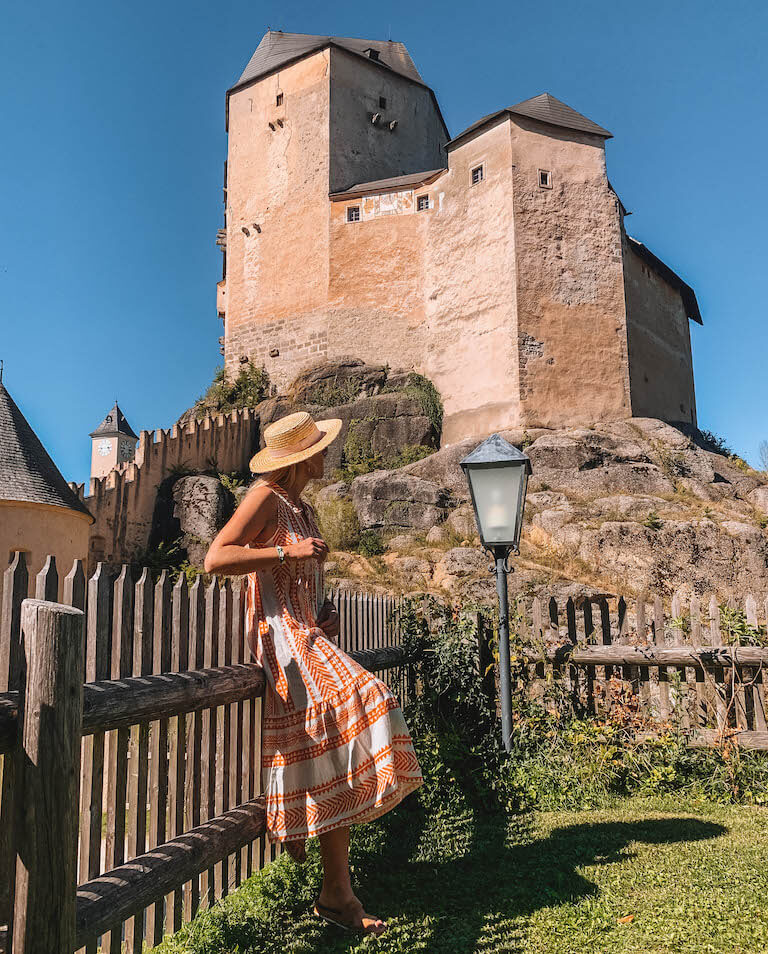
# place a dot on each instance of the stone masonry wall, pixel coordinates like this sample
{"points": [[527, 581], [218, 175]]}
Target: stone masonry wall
{"points": [[123, 502]]}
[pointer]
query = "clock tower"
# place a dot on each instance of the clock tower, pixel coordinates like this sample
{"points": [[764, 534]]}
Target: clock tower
{"points": [[112, 443]]}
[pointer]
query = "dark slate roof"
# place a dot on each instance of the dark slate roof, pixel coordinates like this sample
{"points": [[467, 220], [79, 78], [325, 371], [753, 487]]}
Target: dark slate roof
{"points": [[277, 49], [388, 185], [545, 109], [27, 472], [113, 424], [688, 295]]}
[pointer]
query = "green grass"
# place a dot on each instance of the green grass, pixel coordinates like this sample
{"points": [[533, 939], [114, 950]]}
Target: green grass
{"points": [[692, 875]]}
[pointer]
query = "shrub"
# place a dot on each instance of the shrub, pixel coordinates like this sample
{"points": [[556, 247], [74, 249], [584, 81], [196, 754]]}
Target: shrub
{"points": [[339, 524], [227, 393], [371, 543], [653, 521], [428, 397], [563, 756]]}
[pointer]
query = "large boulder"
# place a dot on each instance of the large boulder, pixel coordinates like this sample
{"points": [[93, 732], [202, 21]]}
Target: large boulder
{"points": [[697, 554], [379, 426], [330, 383], [201, 506], [388, 499]]}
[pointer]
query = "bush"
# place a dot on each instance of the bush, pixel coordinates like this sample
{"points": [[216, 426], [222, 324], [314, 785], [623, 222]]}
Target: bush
{"points": [[226, 393], [562, 755], [339, 524], [371, 543]]}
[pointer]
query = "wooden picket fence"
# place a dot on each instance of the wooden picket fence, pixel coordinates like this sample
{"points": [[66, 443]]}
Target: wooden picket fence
{"points": [[170, 817], [692, 667]]}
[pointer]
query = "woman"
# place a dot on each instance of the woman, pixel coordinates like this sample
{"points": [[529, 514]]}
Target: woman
{"points": [[335, 747]]}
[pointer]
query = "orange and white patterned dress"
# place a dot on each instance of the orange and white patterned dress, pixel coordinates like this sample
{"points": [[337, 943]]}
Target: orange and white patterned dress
{"points": [[335, 746]]}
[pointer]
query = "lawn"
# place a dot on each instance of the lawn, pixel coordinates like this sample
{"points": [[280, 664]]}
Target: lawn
{"points": [[650, 875]]}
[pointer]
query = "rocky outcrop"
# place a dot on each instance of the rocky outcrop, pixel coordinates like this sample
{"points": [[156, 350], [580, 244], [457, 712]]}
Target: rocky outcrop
{"points": [[330, 383], [376, 427], [394, 499], [201, 506]]}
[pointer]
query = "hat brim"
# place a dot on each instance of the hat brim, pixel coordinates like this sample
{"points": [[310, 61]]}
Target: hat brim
{"points": [[263, 462]]}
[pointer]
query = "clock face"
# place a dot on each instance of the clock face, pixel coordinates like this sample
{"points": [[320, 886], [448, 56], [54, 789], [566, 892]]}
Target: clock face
{"points": [[104, 447], [126, 450]]}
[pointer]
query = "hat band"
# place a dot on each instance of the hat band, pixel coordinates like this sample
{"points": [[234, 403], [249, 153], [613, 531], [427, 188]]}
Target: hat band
{"points": [[301, 445]]}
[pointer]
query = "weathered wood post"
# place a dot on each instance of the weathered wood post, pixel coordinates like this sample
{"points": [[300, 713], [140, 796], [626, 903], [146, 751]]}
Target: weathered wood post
{"points": [[48, 776]]}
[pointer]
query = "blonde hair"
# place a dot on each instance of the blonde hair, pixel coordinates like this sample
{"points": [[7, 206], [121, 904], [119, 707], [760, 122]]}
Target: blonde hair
{"points": [[284, 478]]}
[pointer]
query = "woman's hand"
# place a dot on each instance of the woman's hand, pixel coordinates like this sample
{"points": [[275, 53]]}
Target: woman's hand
{"points": [[328, 620], [312, 548]]}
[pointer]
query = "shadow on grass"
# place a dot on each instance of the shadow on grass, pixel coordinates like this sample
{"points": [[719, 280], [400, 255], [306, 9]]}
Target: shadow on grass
{"points": [[504, 873]]}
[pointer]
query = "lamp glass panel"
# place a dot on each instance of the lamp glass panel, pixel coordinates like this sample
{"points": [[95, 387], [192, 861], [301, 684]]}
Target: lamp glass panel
{"points": [[497, 491]]}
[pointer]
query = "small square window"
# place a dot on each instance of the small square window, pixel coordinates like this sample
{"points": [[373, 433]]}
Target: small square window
{"points": [[545, 179], [478, 174], [279, 99], [422, 203], [382, 102], [353, 213], [372, 54]]}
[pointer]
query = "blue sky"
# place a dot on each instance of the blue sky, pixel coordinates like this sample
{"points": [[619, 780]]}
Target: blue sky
{"points": [[114, 142]]}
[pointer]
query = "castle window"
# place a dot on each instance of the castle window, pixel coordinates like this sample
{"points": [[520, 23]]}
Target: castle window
{"points": [[478, 174], [353, 213], [382, 102], [372, 54], [422, 203], [279, 99], [545, 179]]}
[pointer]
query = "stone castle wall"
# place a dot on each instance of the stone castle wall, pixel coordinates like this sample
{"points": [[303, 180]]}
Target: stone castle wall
{"points": [[522, 303], [123, 502]]}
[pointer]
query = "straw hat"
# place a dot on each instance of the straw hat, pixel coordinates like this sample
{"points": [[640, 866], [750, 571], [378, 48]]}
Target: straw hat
{"points": [[293, 438]]}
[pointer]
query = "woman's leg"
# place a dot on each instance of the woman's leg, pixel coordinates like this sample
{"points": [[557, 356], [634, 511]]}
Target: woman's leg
{"points": [[336, 891]]}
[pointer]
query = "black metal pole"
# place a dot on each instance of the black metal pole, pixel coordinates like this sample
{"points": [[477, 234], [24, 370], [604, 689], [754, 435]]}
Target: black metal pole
{"points": [[505, 682]]}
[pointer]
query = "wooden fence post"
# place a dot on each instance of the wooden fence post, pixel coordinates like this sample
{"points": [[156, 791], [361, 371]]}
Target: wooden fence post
{"points": [[48, 777], [15, 583]]}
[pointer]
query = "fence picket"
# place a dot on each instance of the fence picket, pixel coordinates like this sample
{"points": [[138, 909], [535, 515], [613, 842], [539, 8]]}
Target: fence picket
{"points": [[756, 675], [660, 639], [74, 586], [700, 712], [643, 672], [192, 795], [177, 739], [223, 727], [97, 662], [158, 800], [207, 765], [47, 581], [118, 739], [143, 607]]}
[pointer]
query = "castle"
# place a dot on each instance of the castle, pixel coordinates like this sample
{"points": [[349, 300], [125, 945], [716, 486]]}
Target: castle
{"points": [[495, 262]]}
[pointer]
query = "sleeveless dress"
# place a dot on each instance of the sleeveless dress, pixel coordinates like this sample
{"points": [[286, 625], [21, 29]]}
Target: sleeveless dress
{"points": [[335, 746]]}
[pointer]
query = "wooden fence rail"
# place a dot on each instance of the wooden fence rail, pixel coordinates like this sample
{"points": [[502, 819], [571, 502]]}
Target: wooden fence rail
{"points": [[169, 817], [700, 664]]}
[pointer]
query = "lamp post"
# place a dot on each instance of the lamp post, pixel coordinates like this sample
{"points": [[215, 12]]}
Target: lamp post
{"points": [[497, 474]]}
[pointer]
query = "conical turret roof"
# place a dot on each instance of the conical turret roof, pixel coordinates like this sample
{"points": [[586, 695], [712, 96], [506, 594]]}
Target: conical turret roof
{"points": [[113, 425], [27, 473]]}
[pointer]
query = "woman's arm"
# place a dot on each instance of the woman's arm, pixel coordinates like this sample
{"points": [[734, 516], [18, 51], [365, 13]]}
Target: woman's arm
{"points": [[229, 554]]}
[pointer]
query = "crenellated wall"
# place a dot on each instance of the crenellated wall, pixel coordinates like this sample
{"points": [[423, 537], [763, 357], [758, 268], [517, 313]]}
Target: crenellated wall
{"points": [[123, 502]]}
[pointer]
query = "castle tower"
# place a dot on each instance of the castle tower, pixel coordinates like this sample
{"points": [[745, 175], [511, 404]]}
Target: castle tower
{"points": [[496, 263], [309, 116], [112, 443], [40, 515]]}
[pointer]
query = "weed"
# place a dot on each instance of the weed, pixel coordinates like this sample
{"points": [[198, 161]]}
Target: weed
{"points": [[653, 521], [226, 393], [371, 543], [339, 524]]}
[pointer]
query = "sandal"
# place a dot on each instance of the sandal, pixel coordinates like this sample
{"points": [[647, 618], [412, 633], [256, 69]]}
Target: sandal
{"points": [[336, 916]]}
